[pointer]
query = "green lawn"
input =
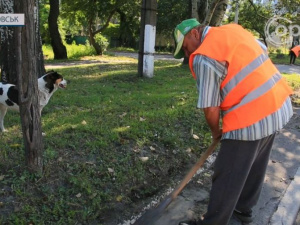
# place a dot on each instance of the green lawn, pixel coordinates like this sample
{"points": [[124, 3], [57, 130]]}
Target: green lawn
{"points": [[112, 140]]}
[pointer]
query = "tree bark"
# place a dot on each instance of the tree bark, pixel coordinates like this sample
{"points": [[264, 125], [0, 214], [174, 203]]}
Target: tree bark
{"points": [[92, 40], [8, 47], [219, 13], [59, 49], [27, 68], [92, 33], [210, 12], [194, 9]]}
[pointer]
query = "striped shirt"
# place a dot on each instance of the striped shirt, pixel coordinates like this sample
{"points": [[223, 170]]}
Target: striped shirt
{"points": [[209, 76]]}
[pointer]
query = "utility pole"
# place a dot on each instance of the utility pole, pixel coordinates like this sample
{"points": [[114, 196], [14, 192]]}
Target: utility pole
{"points": [[147, 38]]}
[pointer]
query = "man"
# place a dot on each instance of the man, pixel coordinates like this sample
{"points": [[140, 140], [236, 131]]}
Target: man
{"points": [[236, 81], [294, 53]]}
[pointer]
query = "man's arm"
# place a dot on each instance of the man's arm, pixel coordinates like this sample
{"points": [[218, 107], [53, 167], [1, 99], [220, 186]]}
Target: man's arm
{"points": [[212, 116]]}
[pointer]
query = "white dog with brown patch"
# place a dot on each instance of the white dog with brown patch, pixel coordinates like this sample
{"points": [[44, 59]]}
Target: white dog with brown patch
{"points": [[47, 85]]}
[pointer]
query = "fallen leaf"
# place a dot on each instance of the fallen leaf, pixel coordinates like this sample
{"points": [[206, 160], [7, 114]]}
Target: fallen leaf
{"points": [[196, 136], [119, 198], [90, 163], [152, 148], [93, 195], [78, 195], [189, 150], [111, 170], [123, 114], [136, 150], [144, 159]]}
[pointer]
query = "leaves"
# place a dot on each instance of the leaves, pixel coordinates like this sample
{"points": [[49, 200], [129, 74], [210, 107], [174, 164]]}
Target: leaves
{"points": [[196, 137], [144, 159], [78, 195], [111, 170]]}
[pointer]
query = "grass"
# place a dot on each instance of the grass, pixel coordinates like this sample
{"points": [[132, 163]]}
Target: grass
{"points": [[294, 82], [100, 131], [73, 51], [113, 139]]}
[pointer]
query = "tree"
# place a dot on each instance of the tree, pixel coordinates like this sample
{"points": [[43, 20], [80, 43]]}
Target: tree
{"points": [[169, 14], [27, 67], [59, 49], [129, 23], [8, 48], [254, 16], [219, 13], [210, 12], [94, 14], [24, 49]]}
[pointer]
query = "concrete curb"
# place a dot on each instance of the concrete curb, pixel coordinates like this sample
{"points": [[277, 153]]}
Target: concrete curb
{"points": [[289, 205]]}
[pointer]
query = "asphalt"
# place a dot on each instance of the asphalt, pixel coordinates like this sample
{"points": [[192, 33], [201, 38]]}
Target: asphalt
{"points": [[279, 202]]}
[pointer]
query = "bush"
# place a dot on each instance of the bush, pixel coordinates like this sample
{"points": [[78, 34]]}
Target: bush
{"points": [[102, 41]]}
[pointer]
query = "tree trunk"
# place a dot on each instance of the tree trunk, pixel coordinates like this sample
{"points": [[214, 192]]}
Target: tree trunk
{"points": [[26, 67], [202, 9], [8, 48], [92, 40], [219, 13], [210, 12], [194, 9], [59, 49], [126, 34]]}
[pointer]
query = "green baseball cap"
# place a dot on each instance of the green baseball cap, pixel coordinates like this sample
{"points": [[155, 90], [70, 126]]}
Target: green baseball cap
{"points": [[180, 31]]}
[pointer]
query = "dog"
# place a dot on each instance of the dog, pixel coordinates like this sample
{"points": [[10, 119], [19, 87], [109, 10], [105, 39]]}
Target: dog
{"points": [[47, 85]]}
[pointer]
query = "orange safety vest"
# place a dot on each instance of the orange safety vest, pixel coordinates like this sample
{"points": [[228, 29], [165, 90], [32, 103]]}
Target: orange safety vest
{"points": [[296, 50], [253, 87]]}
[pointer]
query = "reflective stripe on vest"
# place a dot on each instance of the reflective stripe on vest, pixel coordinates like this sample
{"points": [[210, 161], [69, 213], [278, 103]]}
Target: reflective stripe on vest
{"points": [[253, 87]]}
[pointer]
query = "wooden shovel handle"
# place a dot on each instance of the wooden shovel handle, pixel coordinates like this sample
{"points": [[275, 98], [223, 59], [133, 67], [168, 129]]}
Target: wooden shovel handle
{"points": [[194, 169]]}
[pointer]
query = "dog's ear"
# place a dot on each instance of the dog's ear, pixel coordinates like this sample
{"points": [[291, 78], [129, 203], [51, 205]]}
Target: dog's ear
{"points": [[50, 71]]}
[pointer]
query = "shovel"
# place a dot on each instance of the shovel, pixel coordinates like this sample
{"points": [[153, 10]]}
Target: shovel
{"points": [[152, 215]]}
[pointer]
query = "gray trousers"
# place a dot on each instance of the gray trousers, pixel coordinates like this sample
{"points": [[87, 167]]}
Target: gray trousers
{"points": [[239, 172]]}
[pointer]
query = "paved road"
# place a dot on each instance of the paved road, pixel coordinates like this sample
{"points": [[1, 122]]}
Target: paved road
{"points": [[288, 68]]}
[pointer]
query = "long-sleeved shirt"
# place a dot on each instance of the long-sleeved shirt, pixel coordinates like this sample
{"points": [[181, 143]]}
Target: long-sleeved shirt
{"points": [[209, 75]]}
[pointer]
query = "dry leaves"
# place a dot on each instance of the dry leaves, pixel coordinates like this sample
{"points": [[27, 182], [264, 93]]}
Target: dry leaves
{"points": [[196, 137]]}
